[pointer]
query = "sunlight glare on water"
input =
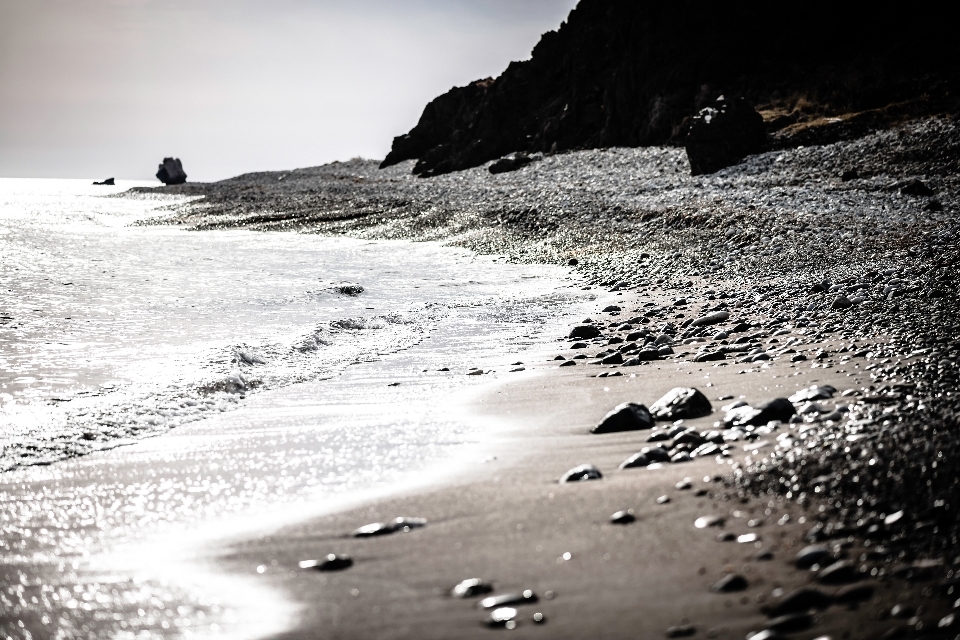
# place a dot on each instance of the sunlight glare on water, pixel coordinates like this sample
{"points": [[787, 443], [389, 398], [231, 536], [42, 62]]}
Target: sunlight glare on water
{"points": [[112, 331]]}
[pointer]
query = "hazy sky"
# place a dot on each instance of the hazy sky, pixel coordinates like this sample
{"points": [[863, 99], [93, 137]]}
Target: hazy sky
{"points": [[93, 89]]}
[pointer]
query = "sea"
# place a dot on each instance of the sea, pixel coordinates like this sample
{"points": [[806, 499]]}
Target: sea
{"points": [[164, 391]]}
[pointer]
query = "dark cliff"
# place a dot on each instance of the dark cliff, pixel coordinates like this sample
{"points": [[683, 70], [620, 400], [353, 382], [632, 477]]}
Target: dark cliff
{"points": [[627, 72]]}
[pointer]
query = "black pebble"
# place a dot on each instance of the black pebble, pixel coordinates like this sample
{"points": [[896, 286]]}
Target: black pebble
{"points": [[732, 582]]}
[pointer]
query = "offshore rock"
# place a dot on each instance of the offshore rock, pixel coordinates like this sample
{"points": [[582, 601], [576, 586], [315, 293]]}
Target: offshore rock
{"points": [[723, 135], [628, 416], [171, 172]]}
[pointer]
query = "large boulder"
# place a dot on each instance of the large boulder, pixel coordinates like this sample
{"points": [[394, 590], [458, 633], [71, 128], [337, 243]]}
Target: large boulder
{"points": [[171, 172], [723, 135]]}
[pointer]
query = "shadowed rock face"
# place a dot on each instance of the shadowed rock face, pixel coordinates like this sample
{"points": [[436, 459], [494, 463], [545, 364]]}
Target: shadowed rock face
{"points": [[627, 73]]}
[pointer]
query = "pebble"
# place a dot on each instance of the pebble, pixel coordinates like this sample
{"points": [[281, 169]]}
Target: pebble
{"points": [[331, 562], [790, 623], [503, 617], [581, 473], [838, 573], [711, 318], [539, 618], [471, 587], [709, 521], [766, 634], [798, 601], [730, 583], [854, 593], [506, 599], [623, 517], [568, 363], [811, 555], [681, 631], [663, 500]]}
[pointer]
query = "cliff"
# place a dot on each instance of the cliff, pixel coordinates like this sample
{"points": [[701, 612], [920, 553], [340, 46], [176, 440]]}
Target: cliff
{"points": [[627, 73]]}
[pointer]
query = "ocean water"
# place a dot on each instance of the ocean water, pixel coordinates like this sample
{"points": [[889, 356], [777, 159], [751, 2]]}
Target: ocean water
{"points": [[161, 388]]}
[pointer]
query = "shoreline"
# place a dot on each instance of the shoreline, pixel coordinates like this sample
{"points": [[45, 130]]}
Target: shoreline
{"points": [[510, 523]]}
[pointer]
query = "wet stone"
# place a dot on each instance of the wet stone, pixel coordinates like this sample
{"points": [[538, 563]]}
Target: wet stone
{"points": [[581, 473], [471, 587], [331, 562], [731, 583]]}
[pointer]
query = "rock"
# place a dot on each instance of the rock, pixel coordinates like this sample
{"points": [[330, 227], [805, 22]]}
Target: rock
{"points": [[348, 289], [614, 358], [628, 416], [502, 617], [573, 262], [663, 500], [711, 318], [704, 522], [838, 573], [171, 172], [681, 403], [710, 356], [809, 556], [332, 562], [584, 332], [933, 205], [634, 336], [798, 358], [109, 182], [374, 529], [916, 188], [730, 583], [681, 631], [841, 302], [767, 634], [581, 473], [723, 135], [539, 618], [507, 599], [612, 308], [645, 456], [777, 409], [902, 611], [623, 517], [798, 601], [646, 355], [790, 623], [568, 363], [511, 162], [821, 392], [850, 174], [471, 587], [854, 593]]}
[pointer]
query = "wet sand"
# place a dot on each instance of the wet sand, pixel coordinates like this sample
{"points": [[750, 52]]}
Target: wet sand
{"points": [[509, 522]]}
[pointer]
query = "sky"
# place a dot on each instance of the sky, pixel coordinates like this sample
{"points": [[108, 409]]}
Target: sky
{"points": [[108, 88]]}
